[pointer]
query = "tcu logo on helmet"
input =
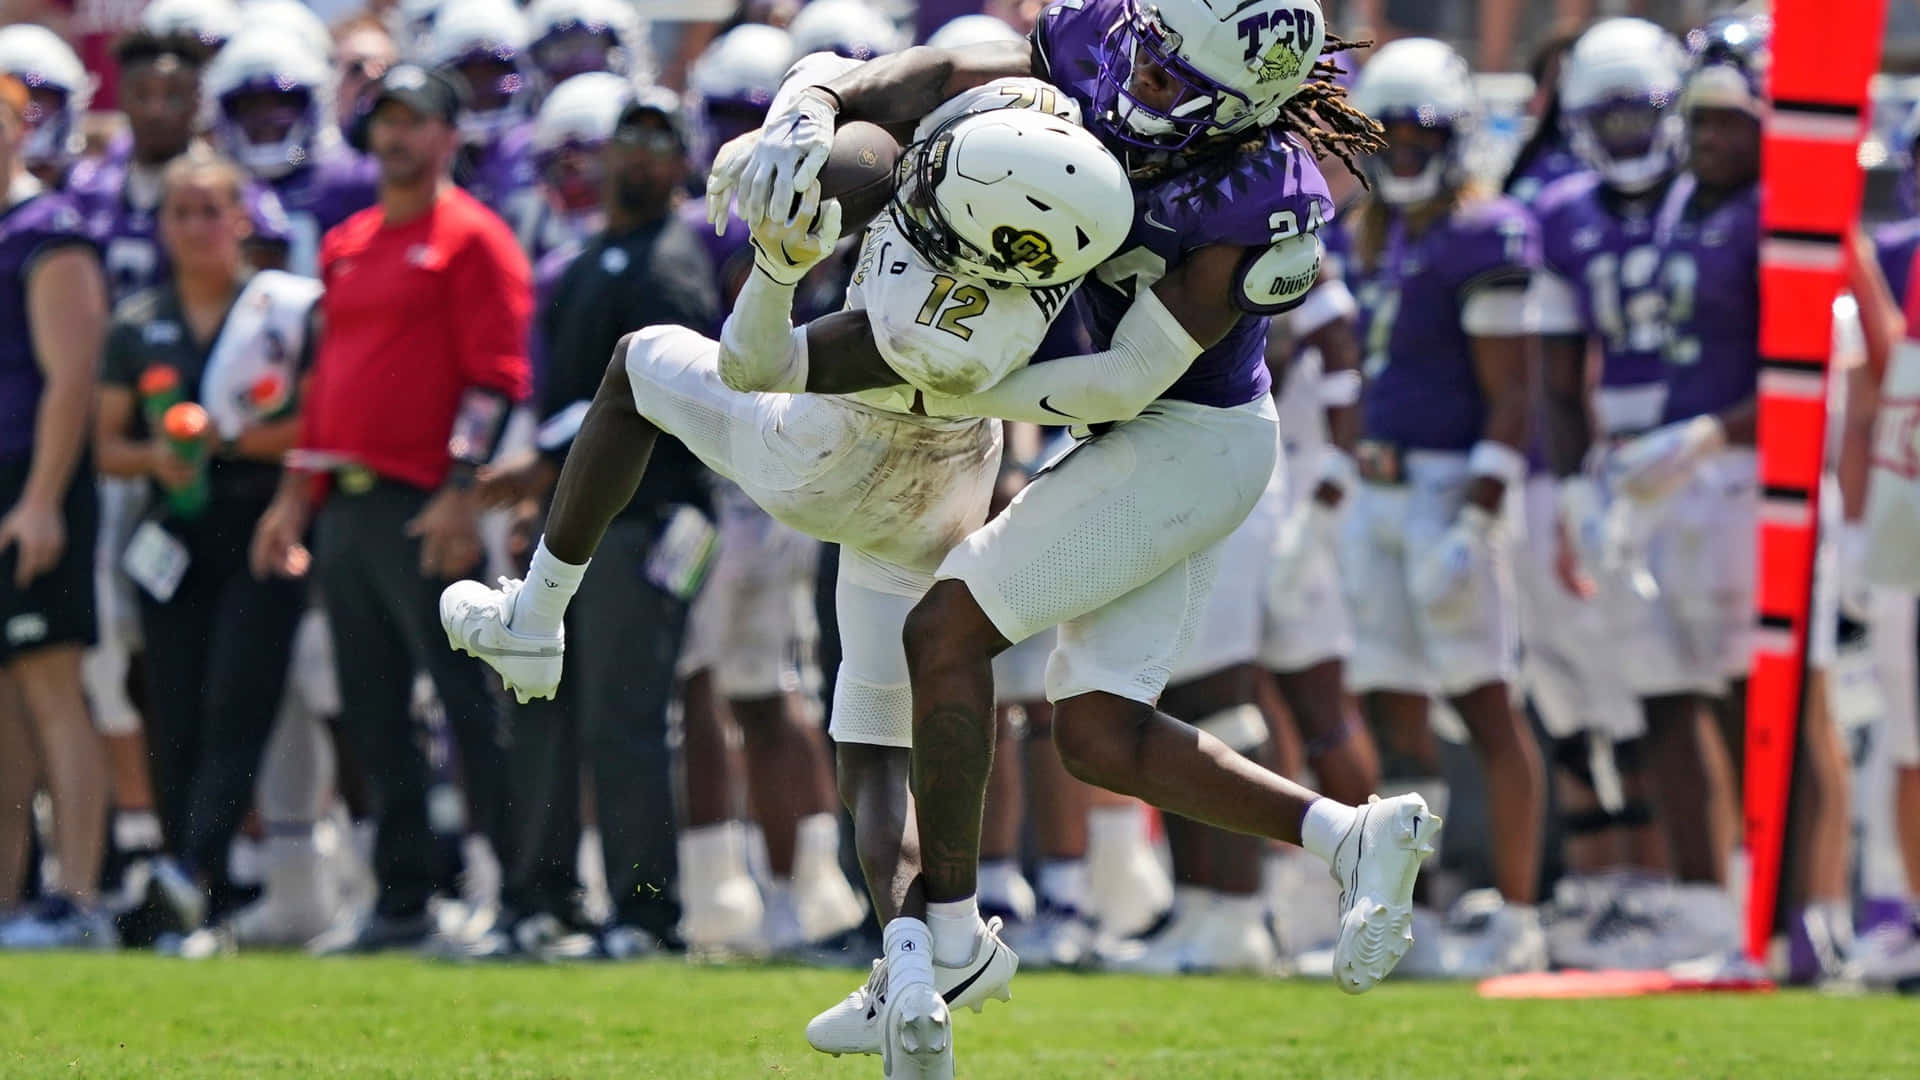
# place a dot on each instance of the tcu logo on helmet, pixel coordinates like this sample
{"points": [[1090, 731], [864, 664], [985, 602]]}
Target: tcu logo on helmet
{"points": [[1292, 34], [1024, 247]]}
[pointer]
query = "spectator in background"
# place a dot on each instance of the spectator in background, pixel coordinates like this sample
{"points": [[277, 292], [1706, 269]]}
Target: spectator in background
{"points": [[217, 638], [422, 353], [646, 268], [53, 307]]}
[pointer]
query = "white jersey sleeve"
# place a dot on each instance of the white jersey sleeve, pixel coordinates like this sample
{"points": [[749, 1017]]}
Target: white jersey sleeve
{"points": [[943, 334]]}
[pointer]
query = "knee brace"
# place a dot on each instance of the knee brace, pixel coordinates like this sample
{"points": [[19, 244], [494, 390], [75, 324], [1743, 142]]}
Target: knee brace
{"points": [[1242, 727]]}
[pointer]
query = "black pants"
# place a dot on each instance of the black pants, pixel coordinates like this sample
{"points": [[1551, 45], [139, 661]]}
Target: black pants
{"points": [[623, 636], [386, 626], [216, 663]]}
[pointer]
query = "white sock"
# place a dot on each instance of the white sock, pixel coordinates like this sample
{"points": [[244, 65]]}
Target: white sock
{"points": [[908, 947], [1113, 828], [996, 884], [1326, 822], [816, 842], [541, 605], [1063, 883], [136, 831], [955, 925]]}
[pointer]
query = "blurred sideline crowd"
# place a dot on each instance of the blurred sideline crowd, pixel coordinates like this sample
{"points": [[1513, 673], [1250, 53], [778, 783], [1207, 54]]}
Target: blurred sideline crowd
{"points": [[228, 715]]}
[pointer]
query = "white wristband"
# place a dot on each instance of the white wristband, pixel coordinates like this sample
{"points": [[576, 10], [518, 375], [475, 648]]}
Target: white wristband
{"points": [[1337, 468], [1498, 460], [1340, 389]]}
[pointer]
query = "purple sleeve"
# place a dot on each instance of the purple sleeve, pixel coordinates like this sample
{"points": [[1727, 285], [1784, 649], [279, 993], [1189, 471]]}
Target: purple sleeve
{"points": [[1895, 246], [1494, 244], [1257, 200]]}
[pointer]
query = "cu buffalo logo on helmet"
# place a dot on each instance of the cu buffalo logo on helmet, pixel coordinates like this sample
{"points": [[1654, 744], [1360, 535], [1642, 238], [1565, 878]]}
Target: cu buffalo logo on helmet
{"points": [[1024, 247]]}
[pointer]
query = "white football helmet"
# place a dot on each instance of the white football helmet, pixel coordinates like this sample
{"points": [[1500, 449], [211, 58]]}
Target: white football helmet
{"points": [[212, 21], [846, 28], [574, 37], [289, 17], [269, 95], [1013, 196], [1424, 82], [486, 42], [411, 22], [1233, 67], [972, 30], [1619, 96], [736, 77], [60, 88], [573, 124]]}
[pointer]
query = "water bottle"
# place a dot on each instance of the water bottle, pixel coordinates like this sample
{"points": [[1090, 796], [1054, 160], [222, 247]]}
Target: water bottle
{"points": [[185, 425], [159, 391]]}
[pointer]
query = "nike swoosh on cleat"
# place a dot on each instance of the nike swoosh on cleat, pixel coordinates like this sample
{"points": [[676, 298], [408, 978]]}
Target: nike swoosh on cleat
{"points": [[953, 995]]}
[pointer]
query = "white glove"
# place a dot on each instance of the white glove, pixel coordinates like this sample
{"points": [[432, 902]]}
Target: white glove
{"points": [[1657, 464], [728, 164], [1443, 580], [792, 149], [1302, 532], [785, 252], [1584, 517], [1850, 558]]}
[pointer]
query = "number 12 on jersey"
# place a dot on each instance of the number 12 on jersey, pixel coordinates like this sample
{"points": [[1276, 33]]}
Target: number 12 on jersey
{"points": [[968, 301]]}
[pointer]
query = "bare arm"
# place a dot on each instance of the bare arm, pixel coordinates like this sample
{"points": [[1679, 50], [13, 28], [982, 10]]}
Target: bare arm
{"points": [[1569, 416], [903, 87], [1500, 364], [67, 304], [114, 452], [1339, 351]]}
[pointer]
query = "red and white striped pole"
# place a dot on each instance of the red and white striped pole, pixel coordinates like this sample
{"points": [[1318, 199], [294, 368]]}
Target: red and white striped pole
{"points": [[1823, 56]]}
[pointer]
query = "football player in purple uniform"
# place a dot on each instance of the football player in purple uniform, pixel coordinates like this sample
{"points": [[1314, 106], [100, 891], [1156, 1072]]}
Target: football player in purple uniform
{"points": [[485, 43], [1440, 266], [271, 100], [1218, 119], [1689, 487], [575, 37], [1598, 291], [58, 90]]}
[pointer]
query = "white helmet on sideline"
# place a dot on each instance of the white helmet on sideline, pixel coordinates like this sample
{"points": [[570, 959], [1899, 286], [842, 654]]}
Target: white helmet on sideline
{"points": [[270, 98], [50, 69], [1619, 93], [1423, 82], [1013, 196]]}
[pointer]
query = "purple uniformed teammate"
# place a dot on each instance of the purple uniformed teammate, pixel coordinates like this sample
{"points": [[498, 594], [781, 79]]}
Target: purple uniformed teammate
{"points": [[1441, 269], [485, 43], [1692, 482], [1600, 287], [1547, 155], [1217, 119], [271, 101], [53, 308]]}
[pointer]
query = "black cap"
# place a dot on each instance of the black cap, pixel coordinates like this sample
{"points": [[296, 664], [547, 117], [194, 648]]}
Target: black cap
{"points": [[663, 103], [425, 90]]}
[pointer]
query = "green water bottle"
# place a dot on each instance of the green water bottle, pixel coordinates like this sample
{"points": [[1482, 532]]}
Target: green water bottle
{"points": [[185, 425]]}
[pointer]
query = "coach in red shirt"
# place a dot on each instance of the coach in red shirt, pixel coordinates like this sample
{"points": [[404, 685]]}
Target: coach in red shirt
{"points": [[422, 351]]}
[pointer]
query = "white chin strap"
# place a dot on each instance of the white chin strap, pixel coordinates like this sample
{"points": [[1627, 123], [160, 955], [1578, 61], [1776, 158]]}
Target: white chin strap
{"points": [[1409, 190], [274, 160], [1636, 175]]}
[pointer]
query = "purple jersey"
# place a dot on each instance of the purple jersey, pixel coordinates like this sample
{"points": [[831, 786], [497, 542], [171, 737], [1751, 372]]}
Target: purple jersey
{"points": [[1895, 246], [1422, 391], [338, 184], [731, 254], [1548, 164], [1250, 200], [29, 229], [119, 216], [501, 173], [1601, 245], [1710, 267]]}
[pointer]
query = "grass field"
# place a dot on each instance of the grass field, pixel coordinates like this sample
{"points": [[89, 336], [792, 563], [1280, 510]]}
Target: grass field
{"points": [[289, 1016]]}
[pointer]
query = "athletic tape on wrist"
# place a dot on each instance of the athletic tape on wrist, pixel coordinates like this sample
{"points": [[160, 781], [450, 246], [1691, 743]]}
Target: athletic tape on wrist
{"points": [[1499, 461]]}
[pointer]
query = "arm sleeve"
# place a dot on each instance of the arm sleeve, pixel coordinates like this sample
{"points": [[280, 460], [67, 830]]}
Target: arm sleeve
{"points": [[760, 349], [492, 288], [1149, 352]]}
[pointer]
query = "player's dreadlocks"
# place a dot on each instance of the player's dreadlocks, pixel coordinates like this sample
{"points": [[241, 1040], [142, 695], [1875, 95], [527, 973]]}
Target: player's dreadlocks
{"points": [[1322, 117]]}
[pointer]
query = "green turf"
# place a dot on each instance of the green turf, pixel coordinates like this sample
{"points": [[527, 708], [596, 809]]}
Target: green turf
{"points": [[289, 1016]]}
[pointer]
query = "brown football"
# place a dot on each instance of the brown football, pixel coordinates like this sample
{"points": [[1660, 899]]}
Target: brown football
{"points": [[859, 172]]}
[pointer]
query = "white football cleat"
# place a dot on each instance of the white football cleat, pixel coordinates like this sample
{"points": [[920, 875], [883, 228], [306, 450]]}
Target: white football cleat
{"points": [[857, 1024], [1376, 864], [475, 619], [919, 1036]]}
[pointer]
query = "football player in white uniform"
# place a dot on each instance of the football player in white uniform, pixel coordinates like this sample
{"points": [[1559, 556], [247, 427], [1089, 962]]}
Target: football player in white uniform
{"points": [[855, 460]]}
